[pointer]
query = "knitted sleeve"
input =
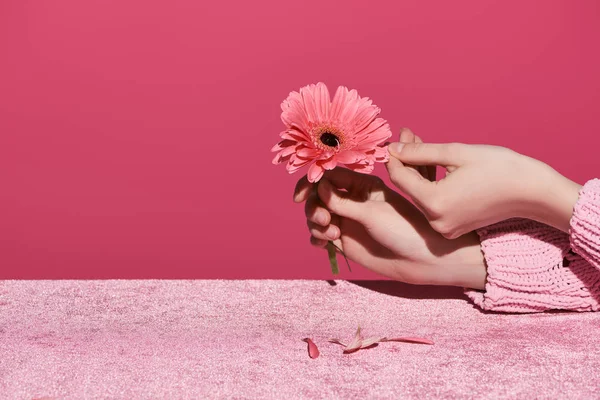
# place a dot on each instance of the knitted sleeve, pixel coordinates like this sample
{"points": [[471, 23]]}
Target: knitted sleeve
{"points": [[585, 223], [531, 268]]}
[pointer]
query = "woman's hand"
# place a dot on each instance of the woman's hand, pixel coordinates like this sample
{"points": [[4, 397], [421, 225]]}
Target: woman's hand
{"points": [[379, 229], [484, 185]]}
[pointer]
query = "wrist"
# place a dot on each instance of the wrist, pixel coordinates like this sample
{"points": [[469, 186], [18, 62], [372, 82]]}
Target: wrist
{"points": [[555, 200], [467, 263]]}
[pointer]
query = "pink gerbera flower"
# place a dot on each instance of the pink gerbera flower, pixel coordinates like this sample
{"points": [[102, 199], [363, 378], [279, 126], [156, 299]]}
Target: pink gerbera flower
{"points": [[324, 133]]}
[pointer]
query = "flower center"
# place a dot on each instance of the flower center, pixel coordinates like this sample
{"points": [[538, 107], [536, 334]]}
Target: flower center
{"points": [[329, 139]]}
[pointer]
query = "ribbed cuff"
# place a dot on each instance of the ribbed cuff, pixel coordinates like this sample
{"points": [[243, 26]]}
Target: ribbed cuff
{"points": [[526, 272], [585, 223]]}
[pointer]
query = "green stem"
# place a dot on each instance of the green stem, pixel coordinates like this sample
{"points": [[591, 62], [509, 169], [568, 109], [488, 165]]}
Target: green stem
{"points": [[332, 252]]}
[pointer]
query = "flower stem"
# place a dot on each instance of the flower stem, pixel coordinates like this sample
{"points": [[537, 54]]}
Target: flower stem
{"points": [[342, 253], [331, 251]]}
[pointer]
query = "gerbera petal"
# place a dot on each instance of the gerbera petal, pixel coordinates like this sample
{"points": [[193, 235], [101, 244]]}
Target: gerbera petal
{"points": [[347, 114], [365, 114], [362, 168], [295, 135], [284, 154], [306, 152], [293, 112], [277, 159], [341, 99], [308, 99], [288, 151], [337, 341], [375, 125], [295, 164], [283, 144], [322, 101], [382, 154], [371, 341], [375, 133], [329, 164], [356, 342], [315, 172], [349, 157], [409, 340], [295, 160]]}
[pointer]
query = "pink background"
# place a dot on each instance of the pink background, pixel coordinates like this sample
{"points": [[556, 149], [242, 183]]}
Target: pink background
{"points": [[134, 135]]}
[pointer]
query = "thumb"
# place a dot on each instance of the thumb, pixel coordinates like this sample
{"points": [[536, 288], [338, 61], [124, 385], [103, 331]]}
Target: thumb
{"points": [[341, 203], [428, 154]]}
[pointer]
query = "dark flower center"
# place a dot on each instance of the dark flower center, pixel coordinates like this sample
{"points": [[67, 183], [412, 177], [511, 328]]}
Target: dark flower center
{"points": [[329, 139]]}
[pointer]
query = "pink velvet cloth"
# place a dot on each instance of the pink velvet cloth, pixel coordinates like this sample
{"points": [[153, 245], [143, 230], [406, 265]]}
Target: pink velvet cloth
{"points": [[533, 267], [154, 339]]}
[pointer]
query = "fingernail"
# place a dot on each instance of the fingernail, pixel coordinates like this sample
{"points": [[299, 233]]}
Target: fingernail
{"points": [[333, 234], [396, 147]]}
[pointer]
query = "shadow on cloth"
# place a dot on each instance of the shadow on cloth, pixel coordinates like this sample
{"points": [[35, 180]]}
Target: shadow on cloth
{"points": [[404, 290]]}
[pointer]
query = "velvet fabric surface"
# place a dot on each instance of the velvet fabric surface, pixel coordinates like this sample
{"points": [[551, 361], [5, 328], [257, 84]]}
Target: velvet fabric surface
{"points": [[184, 339]]}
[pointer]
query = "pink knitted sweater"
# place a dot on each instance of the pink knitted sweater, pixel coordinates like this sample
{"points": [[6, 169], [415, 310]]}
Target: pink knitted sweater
{"points": [[533, 267]]}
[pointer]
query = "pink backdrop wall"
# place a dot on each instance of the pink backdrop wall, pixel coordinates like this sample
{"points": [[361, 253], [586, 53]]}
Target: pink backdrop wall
{"points": [[135, 135]]}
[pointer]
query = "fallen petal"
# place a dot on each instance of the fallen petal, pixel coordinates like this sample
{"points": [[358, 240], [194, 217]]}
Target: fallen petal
{"points": [[313, 351], [337, 341], [356, 342], [409, 340], [371, 341]]}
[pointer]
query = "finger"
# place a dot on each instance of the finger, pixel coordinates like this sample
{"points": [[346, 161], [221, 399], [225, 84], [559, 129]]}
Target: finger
{"points": [[315, 212], [329, 232], [409, 181], [359, 185], [318, 242], [302, 190], [407, 136], [429, 171], [323, 243], [363, 249], [453, 154], [342, 203], [423, 170]]}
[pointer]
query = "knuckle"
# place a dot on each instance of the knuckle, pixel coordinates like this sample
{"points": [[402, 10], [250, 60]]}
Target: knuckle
{"points": [[417, 147], [453, 235], [450, 150], [443, 227], [335, 203]]}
